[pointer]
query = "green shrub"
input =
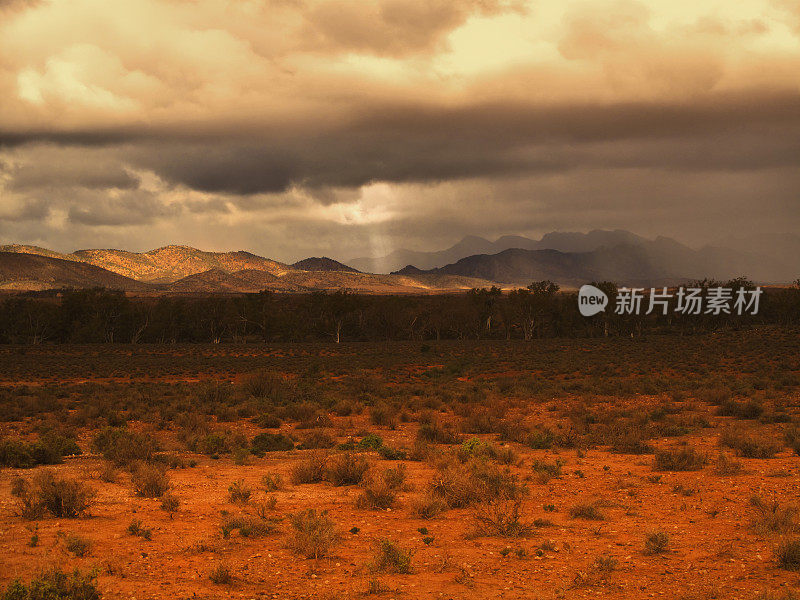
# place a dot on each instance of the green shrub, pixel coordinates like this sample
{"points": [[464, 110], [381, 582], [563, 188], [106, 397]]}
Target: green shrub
{"points": [[54, 585]]}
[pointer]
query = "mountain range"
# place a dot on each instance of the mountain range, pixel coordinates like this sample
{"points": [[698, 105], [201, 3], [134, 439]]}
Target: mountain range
{"points": [[186, 270], [568, 258]]}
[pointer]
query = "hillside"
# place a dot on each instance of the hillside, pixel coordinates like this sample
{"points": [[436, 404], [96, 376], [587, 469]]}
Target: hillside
{"points": [[22, 271], [322, 264]]}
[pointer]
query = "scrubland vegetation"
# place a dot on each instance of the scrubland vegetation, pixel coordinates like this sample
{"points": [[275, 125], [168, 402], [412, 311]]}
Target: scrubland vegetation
{"points": [[556, 468]]}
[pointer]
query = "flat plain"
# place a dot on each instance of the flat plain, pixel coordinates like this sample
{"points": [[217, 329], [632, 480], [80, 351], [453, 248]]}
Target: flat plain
{"points": [[657, 467]]}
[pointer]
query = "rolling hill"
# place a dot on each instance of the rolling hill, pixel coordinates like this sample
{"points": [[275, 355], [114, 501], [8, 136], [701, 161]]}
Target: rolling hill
{"points": [[22, 271]]}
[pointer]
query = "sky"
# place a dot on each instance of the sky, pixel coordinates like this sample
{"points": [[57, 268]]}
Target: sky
{"points": [[349, 128]]}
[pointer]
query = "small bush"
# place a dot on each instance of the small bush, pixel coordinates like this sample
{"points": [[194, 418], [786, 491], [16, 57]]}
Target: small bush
{"points": [[792, 437], [170, 503], [149, 480], [313, 469], [438, 433], [428, 506], [501, 516], [313, 534], [347, 469], [391, 558], [135, 528], [726, 466], [64, 498], [221, 575], [272, 482], [54, 585], [238, 492], [78, 545], [586, 511], [789, 554], [122, 446], [377, 494], [682, 459], [270, 442], [750, 445], [317, 439], [656, 542], [772, 517], [248, 526], [546, 470]]}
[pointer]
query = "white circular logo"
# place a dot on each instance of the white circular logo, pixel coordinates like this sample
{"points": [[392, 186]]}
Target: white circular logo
{"points": [[591, 300]]}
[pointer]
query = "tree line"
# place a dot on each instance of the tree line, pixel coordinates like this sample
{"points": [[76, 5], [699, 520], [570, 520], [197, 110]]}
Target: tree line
{"points": [[540, 310]]}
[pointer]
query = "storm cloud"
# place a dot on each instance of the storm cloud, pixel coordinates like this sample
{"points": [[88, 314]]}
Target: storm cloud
{"points": [[294, 127]]}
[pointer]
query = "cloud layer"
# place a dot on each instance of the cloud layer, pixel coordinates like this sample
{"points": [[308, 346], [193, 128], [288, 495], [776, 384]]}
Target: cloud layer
{"points": [[347, 127]]}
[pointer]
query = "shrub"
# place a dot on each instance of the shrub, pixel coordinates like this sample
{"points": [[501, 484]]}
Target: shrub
{"points": [[438, 433], [65, 498], [656, 542], [48, 450], [586, 511], [789, 554], [238, 492], [78, 545], [122, 446], [501, 516], [395, 477], [313, 534], [792, 437], [311, 470], [750, 445], [266, 385], [270, 442], [317, 439], [773, 517], [726, 465], [135, 528], [221, 575], [170, 503], [371, 441], [248, 526], [149, 480], [428, 506], [606, 564], [540, 439], [546, 470], [383, 415], [272, 482], [54, 585], [267, 421], [682, 459], [391, 558], [347, 469], [377, 494]]}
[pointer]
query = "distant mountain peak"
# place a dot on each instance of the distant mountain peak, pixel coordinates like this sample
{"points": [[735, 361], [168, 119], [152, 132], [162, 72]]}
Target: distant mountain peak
{"points": [[322, 263]]}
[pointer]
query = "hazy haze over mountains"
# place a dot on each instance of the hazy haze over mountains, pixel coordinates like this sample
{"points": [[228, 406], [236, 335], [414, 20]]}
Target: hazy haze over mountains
{"points": [[569, 258]]}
